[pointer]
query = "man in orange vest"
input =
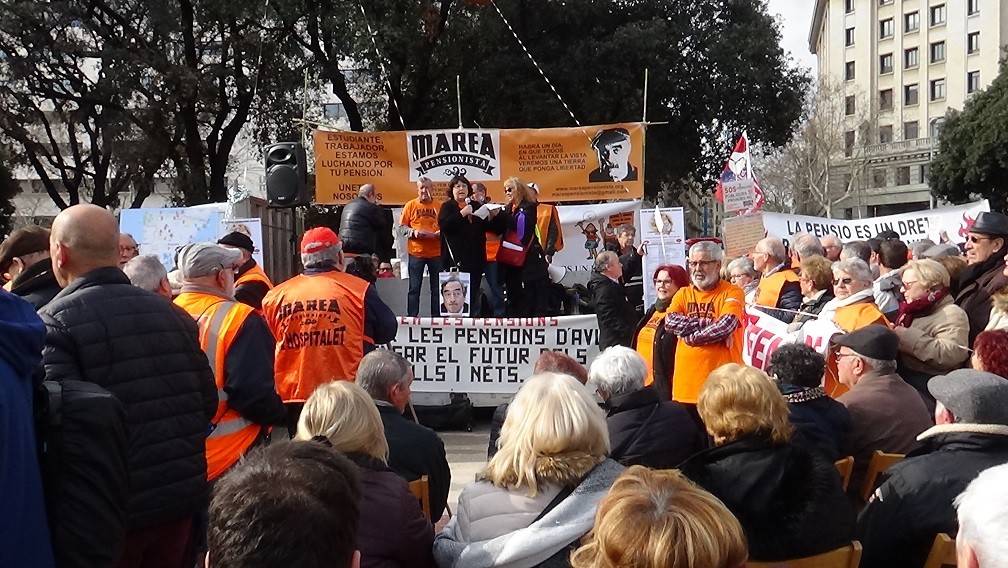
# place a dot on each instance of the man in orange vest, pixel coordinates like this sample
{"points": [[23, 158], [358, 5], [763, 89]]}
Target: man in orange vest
{"points": [[239, 347], [548, 228], [324, 321], [251, 282], [779, 287]]}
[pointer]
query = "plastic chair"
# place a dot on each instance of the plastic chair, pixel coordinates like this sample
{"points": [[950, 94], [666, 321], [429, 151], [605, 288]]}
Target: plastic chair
{"points": [[943, 552], [845, 557], [880, 461], [844, 467], [420, 488]]}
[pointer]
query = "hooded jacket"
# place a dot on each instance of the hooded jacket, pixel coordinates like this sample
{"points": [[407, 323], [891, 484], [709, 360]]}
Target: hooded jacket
{"points": [[788, 499], [484, 508], [644, 430], [914, 503], [24, 536]]}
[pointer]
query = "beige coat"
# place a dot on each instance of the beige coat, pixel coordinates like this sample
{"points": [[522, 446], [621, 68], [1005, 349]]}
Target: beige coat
{"points": [[999, 311], [936, 343]]}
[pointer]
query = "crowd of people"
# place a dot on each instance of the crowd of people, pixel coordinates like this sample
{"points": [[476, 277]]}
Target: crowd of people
{"points": [[205, 416]]}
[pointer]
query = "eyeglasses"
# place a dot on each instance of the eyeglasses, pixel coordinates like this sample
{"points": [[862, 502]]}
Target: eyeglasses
{"points": [[735, 276], [909, 284], [508, 190], [700, 263], [975, 239], [658, 282], [844, 281], [134, 248], [842, 355]]}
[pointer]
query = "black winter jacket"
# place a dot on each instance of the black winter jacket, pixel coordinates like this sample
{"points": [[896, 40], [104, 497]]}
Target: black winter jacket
{"points": [[644, 430], [788, 499], [974, 288], [145, 351], [914, 503], [37, 284], [617, 318], [362, 226], [463, 239], [414, 451], [821, 424]]}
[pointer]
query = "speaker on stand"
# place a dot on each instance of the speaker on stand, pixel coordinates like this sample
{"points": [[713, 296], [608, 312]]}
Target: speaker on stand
{"points": [[286, 175]]}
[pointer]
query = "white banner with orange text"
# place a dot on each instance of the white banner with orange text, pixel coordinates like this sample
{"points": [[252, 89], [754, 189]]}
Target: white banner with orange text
{"points": [[488, 355]]}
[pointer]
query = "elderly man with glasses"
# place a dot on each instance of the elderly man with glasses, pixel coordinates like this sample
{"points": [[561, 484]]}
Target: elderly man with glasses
{"points": [[706, 316], [984, 276]]}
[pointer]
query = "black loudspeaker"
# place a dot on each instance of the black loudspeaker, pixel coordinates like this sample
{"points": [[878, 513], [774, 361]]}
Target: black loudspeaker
{"points": [[286, 175]]}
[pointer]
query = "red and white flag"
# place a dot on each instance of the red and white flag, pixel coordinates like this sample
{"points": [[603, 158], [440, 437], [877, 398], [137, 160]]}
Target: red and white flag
{"points": [[738, 167]]}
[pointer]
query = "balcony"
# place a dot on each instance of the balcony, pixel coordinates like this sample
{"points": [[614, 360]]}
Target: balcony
{"points": [[915, 146]]}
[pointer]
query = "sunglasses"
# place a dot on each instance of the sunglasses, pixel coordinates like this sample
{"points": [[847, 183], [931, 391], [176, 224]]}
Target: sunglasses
{"points": [[844, 281], [975, 239]]}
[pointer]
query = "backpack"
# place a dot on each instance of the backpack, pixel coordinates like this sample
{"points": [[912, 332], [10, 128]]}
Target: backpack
{"points": [[82, 438]]}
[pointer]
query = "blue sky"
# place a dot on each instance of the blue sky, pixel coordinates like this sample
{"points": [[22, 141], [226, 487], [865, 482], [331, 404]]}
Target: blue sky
{"points": [[795, 17]]}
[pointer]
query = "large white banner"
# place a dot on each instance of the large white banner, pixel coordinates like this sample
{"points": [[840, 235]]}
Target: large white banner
{"points": [[488, 355], [764, 334], [943, 224]]}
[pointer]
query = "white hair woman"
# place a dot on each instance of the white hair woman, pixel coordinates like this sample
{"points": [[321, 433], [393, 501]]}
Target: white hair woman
{"points": [[392, 530], [538, 494], [852, 308]]}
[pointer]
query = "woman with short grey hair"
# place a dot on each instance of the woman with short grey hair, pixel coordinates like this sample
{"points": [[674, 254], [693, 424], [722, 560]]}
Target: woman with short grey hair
{"points": [[742, 273]]}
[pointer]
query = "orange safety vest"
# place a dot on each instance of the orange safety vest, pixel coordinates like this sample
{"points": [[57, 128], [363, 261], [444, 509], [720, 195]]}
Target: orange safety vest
{"points": [[849, 318], [492, 246], [318, 322], [219, 321], [254, 274], [645, 344], [545, 215], [769, 289]]}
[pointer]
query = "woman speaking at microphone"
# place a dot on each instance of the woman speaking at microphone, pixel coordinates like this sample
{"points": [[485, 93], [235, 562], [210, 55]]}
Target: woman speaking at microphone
{"points": [[463, 237]]}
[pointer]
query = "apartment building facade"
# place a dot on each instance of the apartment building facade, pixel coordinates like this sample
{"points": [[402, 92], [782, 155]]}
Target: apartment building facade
{"points": [[902, 65]]}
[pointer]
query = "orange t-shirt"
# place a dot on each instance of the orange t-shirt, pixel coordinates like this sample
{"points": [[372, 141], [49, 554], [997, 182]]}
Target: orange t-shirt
{"points": [[421, 216], [693, 364], [849, 318]]}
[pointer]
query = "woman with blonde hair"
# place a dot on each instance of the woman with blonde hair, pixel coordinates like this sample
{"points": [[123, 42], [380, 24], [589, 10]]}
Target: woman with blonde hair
{"points": [[788, 498], [932, 330], [659, 519], [525, 285], [538, 494], [392, 531]]}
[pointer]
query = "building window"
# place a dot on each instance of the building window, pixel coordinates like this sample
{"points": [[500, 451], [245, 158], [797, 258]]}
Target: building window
{"points": [[936, 126], [972, 81], [937, 89], [849, 71], [937, 52], [849, 37], [972, 7], [922, 171], [885, 134], [911, 58], [849, 105], [910, 94], [903, 175], [878, 178], [885, 63], [848, 6], [884, 2], [911, 22], [973, 42], [885, 28], [334, 110], [911, 130], [848, 143], [937, 15], [885, 100]]}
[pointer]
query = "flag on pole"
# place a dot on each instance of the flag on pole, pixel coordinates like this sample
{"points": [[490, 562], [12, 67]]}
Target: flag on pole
{"points": [[739, 166]]}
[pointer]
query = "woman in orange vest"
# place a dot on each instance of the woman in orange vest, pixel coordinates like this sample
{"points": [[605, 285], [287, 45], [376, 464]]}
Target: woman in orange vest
{"points": [[852, 308], [651, 341]]}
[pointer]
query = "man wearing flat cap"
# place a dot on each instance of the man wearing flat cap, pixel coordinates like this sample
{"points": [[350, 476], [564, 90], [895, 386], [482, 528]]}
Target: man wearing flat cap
{"points": [[26, 267], [241, 346], [324, 321], [986, 246], [251, 282], [914, 503], [886, 413], [612, 148]]}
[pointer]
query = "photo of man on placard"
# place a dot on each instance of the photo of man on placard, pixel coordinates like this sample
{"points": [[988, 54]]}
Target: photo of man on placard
{"points": [[612, 148], [454, 294]]}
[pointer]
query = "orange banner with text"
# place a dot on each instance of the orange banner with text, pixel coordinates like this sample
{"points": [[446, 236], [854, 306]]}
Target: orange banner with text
{"points": [[567, 164]]}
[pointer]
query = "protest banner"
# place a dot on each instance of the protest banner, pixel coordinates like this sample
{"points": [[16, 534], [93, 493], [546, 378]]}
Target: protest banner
{"points": [[568, 164], [763, 335], [942, 224], [663, 233], [488, 355], [740, 234]]}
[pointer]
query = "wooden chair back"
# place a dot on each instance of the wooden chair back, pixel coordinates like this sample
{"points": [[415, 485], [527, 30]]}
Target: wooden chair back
{"points": [[844, 468], [420, 488], [845, 557], [880, 461], [943, 552]]}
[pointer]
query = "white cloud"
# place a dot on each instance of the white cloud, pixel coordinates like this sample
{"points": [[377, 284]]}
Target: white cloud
{"points": [[796, 18]]}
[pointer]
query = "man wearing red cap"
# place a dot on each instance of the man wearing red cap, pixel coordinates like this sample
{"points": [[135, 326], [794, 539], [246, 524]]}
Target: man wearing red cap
{"points": [[324, 321]]}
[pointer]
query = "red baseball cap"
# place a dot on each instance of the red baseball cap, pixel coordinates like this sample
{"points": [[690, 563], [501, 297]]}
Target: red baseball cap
{"points": [[317, 239]]}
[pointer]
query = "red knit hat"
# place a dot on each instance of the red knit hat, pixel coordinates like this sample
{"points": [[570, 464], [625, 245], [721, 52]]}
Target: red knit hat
{"points": [[317, 239]]}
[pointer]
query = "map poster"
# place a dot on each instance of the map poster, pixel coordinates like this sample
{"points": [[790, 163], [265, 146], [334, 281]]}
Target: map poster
{"points": [[162, 232]]}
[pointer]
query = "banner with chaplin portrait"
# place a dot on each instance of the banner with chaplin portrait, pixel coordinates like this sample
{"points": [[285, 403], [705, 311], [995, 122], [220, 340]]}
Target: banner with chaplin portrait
{"points": [[567, 164]]}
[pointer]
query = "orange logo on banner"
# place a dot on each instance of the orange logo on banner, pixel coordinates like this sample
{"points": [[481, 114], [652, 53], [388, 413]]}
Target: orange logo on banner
{"points": [[568, 164]]}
